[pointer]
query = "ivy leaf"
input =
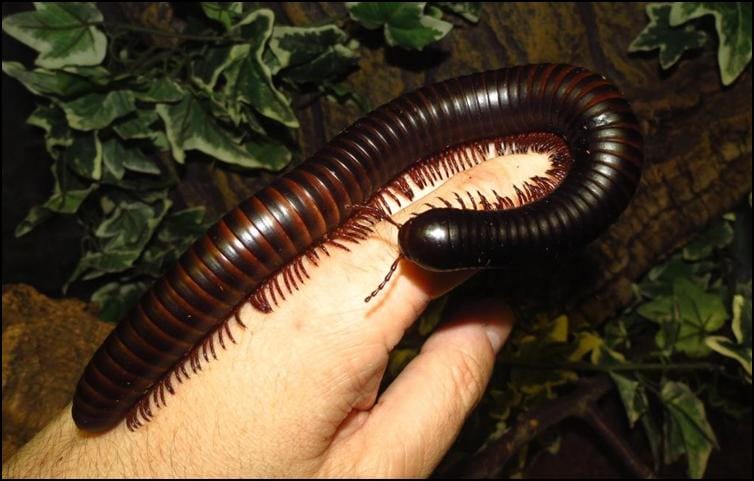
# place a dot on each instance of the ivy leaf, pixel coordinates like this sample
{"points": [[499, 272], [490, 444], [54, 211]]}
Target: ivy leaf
{"points": [[660, 310], [733, 25], [188, 127], [432, 316], [36, 216], [660, 280], [160, 90], [249, 80], [333, 63], [740, 349], [399, 359], [137, 125], [660, 34], [123, 235], [404, 23], [467, 10], [688, 430], [686, 317], [633, 396], [176, 233], [52, 121], [96, 74], [539, 346], [717, 237], [115, 299], [275, 156], [84, 156], [701, 313], [183, 224], [206, 71], [44, 82], [67, 196], [313, 54], [225, 13], [69, 191], [117, 159], [299, 45], [342, 93], [96, 111], [63, 33]]}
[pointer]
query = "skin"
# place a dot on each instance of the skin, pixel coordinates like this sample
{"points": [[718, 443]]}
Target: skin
{"points": [[298, 395]]}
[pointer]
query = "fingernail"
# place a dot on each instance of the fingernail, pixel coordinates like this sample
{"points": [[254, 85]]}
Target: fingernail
{"points": [[493, 313], [496, 335]]}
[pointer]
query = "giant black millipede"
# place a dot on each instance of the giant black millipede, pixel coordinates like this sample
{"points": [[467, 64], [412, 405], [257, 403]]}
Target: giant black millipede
{"points": [[256, 252]]}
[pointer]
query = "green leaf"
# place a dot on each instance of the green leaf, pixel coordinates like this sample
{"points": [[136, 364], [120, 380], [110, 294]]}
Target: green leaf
{"points": [[733, 25], [342, 93], [633, 395], [160, 90], [176, 233], [659, 34], [115, 299], [249, 80], [112, 160], [432, 316], [84, 156], [660, 280], [63, 33], [404, 23], [690, 432], [333, 63], [719, 236], [189, 127], [275, 156], [225, 13], [37, 215], [660, 309], [299, 45], [206, 71], [44, 82], [95, 74], [467, 10], [123, 234], [137, 125], [686, 317], [740, 348], [69, 192], [95, 111], [399, 359], [117, 159], [182, 224], [313, 54], [654, 436], [701, 313], [67, 196], [538, 349], [52, 121]]}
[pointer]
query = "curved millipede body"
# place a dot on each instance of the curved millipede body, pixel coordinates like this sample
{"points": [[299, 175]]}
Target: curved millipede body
{"points": [[255, 252]]}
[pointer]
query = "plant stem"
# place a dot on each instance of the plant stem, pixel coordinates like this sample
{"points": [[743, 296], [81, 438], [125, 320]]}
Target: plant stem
{"points": [[579, 403], [632, 462]]}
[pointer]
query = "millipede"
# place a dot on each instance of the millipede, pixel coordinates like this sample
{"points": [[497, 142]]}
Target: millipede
{"points": [[260, 251]]}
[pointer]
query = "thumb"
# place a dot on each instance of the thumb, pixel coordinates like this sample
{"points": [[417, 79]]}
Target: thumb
{"points": [[419, 416]]}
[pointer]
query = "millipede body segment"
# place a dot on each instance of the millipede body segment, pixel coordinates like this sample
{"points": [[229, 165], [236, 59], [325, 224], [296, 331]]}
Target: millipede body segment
{"points": [[255, 252]]}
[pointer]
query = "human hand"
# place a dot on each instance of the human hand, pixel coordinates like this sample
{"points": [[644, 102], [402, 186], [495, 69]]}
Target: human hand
{"points": [[297, 395]]}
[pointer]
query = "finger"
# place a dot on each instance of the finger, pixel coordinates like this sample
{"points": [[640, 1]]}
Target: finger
{"points": [[333, 298], [421, 413]]}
